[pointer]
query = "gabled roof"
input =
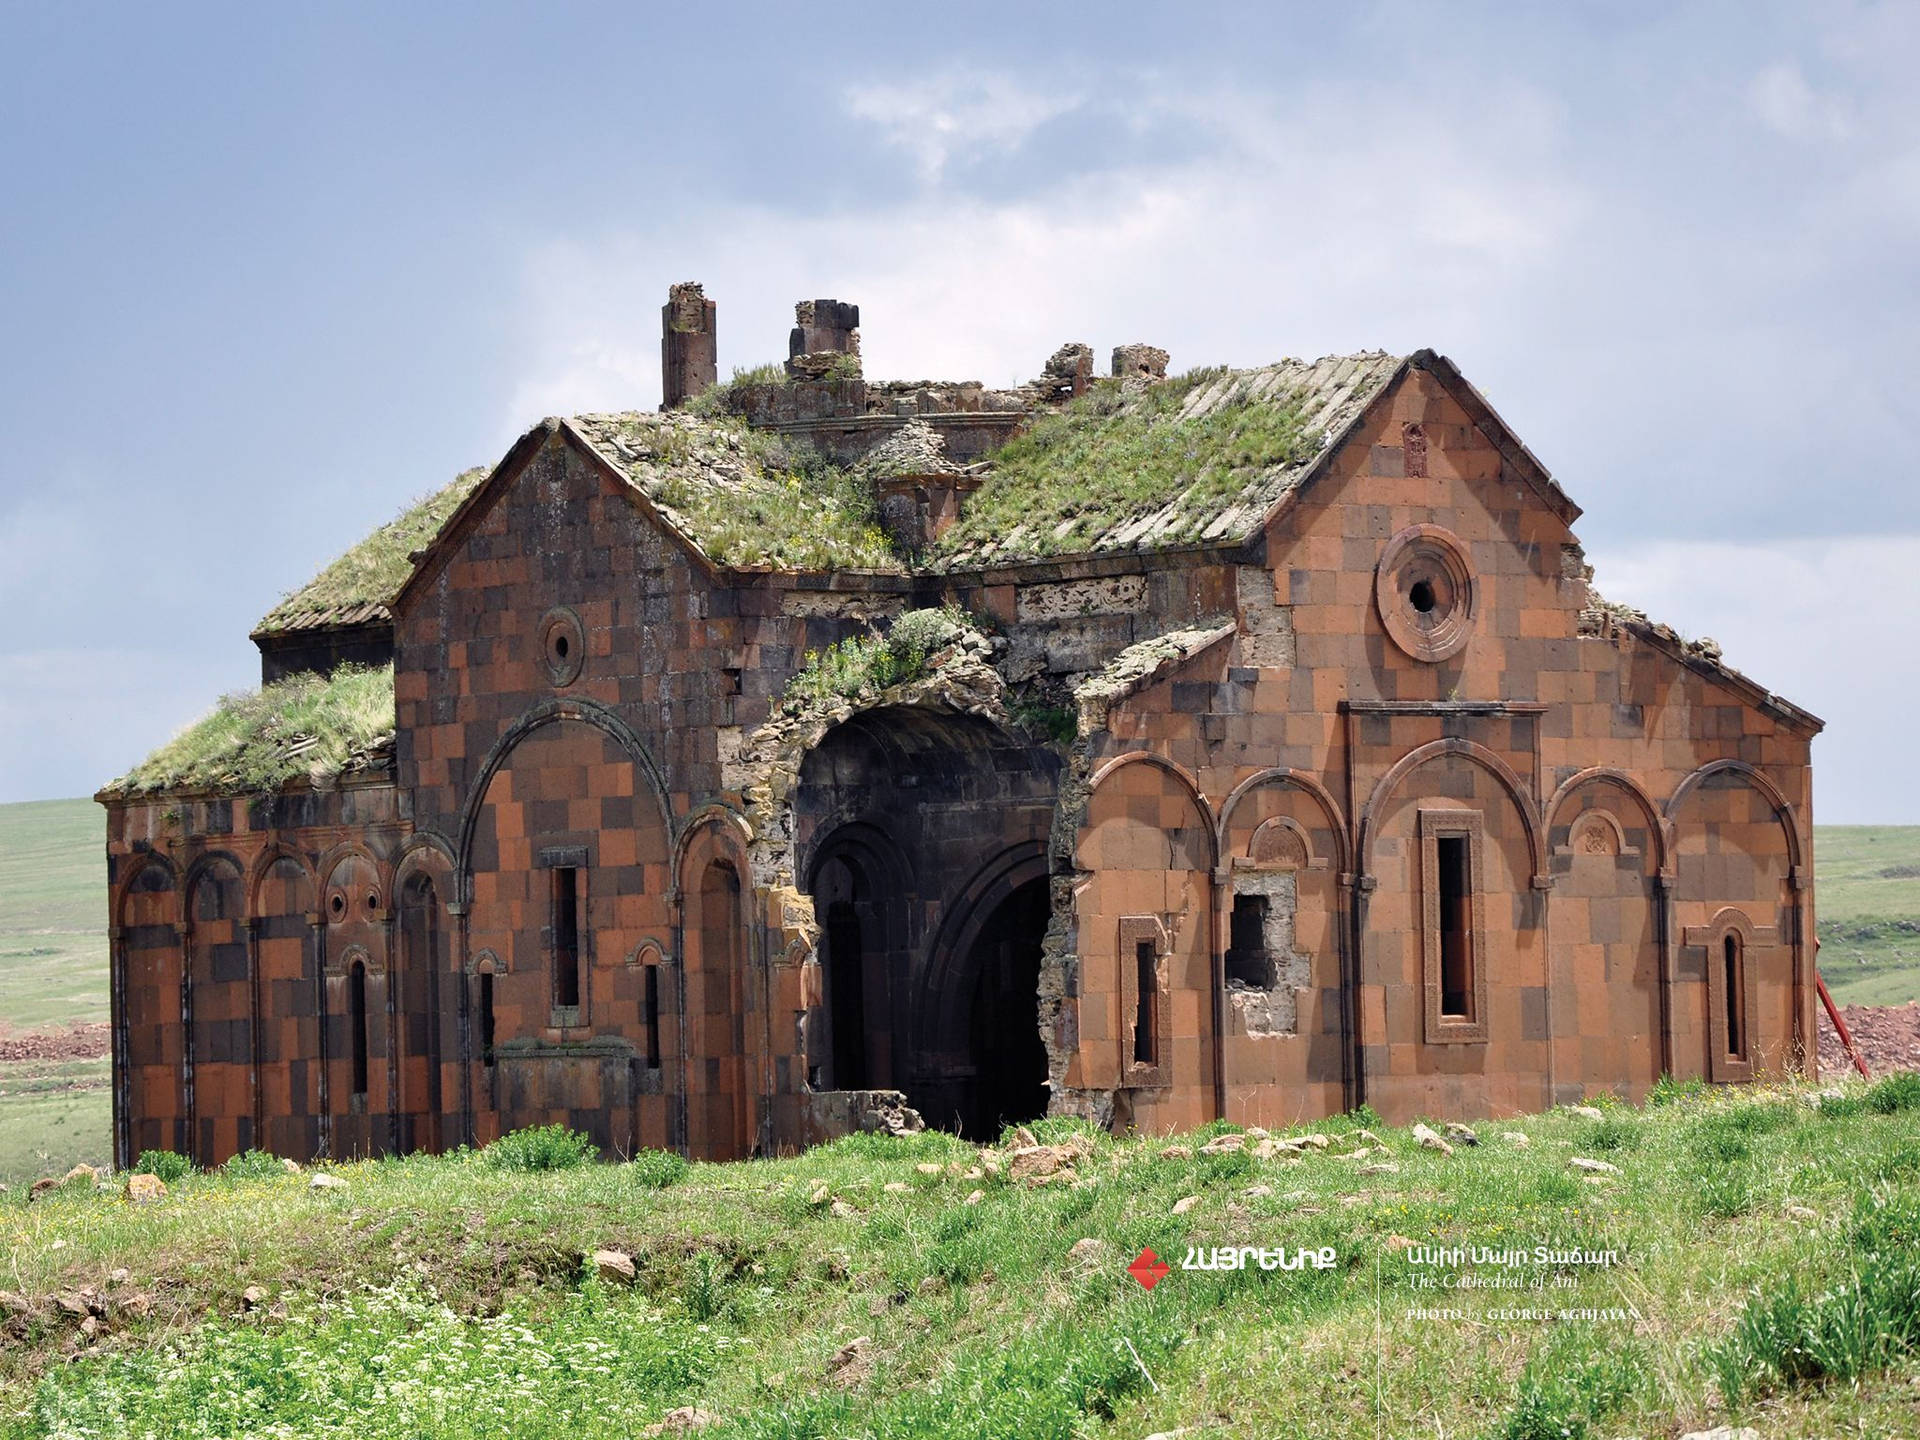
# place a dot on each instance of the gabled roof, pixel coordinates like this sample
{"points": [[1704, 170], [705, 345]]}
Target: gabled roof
{"points": [[739, 495], [357, 588], [306, 727], [1198, 459], [1206, 458]]}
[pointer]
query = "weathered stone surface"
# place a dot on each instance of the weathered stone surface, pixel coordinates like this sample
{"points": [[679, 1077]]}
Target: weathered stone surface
{"points": [[1173, 689], [145, 1189], [616, 1267]]}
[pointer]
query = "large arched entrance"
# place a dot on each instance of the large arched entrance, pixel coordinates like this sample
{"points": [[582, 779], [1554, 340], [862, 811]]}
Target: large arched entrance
{"points": [[1009, 1061], [922, 836]]}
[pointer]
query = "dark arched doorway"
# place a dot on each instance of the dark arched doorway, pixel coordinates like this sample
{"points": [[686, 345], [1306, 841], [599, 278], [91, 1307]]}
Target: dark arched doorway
{"points": [[919, 832], [1009, 1058]]}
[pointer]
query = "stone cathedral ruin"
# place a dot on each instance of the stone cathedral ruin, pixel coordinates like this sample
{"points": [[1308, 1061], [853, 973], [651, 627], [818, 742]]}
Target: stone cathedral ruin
{"points": [[819, 753]]}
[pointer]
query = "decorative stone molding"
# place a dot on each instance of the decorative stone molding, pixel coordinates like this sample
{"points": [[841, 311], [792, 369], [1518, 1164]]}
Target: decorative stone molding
{"points": [[1424, 589], [1443, 1029], [563, 645]]}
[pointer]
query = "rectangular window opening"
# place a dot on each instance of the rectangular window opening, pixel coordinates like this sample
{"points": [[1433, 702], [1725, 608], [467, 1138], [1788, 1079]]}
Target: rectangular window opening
{"points": [[1456, 926], [566, 937], [1146, 1046], [653, 1017], [1248, 963], [486, 1017], [1734, 993], [357, 1019]]}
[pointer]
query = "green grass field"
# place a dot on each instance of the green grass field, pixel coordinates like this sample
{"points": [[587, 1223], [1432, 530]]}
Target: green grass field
{"points": [[53, 972], [1867, 890], [53, 914], [1762, 1270], [1766, 1275]]}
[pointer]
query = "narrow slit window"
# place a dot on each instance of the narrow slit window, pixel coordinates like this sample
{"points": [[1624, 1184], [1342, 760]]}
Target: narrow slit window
{"points": [[486, 1017], [1456, 927], [1733, 993], [653, 1016], [566, 937], [357, 1019], [1146, 1047], [1248, 962]]}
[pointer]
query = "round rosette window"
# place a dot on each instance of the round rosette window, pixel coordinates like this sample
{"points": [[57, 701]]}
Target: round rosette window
{"points": [[1424, 588], [564, 645]]}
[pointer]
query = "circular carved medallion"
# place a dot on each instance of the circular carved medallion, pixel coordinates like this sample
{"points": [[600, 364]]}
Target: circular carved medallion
{"points": [[1424, 589], [563, 643]]}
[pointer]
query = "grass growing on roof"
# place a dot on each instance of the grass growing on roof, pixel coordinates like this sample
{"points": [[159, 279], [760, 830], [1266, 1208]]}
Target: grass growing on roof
{"points": [[304, 727], [867, 664], [747, 498], [372, 572], [1072, 478]]}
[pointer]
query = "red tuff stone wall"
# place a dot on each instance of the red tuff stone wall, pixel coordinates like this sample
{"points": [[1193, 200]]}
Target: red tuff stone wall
{"points": [[1411, 824], [1629, 807]]}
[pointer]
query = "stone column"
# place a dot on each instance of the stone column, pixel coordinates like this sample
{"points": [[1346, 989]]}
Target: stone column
{"points": [[688, 354]]}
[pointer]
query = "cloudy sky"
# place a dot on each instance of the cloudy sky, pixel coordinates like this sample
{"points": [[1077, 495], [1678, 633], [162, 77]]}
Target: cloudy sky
{"points": [[267, 273]]}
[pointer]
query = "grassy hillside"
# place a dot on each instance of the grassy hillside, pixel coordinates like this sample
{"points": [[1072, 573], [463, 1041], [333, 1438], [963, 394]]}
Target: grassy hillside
{"points": [[53, 914], [1868, 896], [53, 972], [1763, 1270]]}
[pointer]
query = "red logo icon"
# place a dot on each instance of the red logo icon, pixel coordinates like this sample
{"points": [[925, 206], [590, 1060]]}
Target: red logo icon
{"points": [[1149, 1269]]}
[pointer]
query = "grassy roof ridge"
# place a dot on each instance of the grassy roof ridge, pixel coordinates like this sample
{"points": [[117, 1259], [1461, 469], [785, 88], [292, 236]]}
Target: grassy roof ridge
{"points": [[1195, 457], [360, 583], [747, 498], [305, 727]]}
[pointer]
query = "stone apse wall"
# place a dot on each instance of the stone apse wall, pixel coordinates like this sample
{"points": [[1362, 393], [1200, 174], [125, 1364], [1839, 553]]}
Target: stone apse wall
{"points": [[1417, 826]]}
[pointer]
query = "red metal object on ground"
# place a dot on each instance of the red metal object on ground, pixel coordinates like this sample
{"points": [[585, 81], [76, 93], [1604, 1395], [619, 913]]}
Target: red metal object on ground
{"points": [[1840, 1026]]}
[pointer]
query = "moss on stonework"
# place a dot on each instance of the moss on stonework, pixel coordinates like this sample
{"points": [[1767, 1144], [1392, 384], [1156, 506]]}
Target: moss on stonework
{"points": [[305, 727], [864, 665], [745, 497], [372, 572], [1073, 481]]}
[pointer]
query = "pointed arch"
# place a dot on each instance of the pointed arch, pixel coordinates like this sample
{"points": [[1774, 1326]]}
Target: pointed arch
{"points": [[1782, 807], [549, 712], [1181, 775], [1284, 777], [1607, 775], [1466, 750]]}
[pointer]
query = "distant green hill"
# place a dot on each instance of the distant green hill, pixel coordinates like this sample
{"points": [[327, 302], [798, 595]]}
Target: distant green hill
{"points": [[1867, 908], [53, 913]]}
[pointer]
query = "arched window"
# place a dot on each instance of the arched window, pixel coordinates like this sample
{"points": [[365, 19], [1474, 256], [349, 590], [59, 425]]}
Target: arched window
{"points": [[1734, 992], [357, 1020], [486, 1017]]}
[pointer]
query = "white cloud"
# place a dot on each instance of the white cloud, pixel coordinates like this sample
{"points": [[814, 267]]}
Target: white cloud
{"points": [[1826, 623], [1592, 318], [1786, 104], [956, 113], [1284, 239]]}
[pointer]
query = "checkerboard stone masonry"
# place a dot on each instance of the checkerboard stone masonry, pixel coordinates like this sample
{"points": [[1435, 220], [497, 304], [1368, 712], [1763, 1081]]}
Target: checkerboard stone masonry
{"points": [[611, 874]]}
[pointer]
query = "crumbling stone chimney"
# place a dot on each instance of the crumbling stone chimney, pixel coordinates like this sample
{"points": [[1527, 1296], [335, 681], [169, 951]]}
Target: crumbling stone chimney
{"points": [[1069, 371], [1139, 362], [688, 357], [825, 334]]}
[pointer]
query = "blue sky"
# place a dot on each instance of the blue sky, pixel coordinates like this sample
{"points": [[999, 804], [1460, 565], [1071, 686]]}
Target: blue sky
{"points": [[267, 273]]}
